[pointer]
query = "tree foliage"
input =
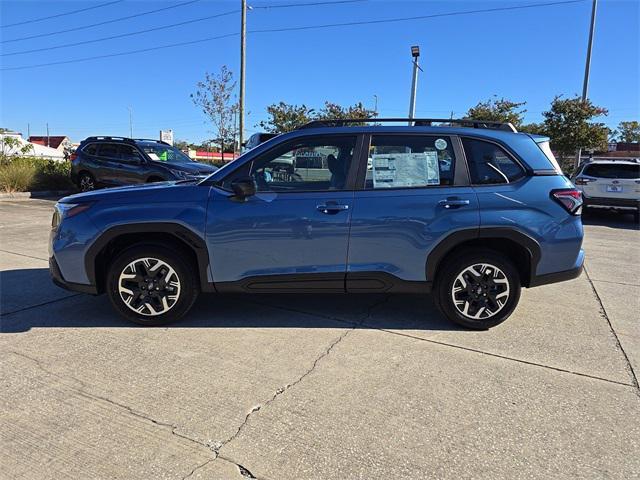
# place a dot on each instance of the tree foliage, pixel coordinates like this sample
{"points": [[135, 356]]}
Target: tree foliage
{"points": [[499, 110], [628, 132], [569, 123], [284, 117], [214, 96]]}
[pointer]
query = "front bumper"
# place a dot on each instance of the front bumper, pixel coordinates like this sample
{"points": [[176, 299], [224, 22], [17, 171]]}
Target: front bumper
{"points": [[58, 279]]}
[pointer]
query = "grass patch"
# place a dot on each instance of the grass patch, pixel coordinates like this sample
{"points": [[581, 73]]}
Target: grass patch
{"points": [[24, 174]]}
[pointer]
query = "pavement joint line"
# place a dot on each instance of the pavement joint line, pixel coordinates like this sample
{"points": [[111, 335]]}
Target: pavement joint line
{"points": [[23, 255], [603, 313], [13, 312], [616, 283], [460, 347], [82, 391]]}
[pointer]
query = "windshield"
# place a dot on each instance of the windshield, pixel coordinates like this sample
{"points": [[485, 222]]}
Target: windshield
{"points": [[165, 153]]}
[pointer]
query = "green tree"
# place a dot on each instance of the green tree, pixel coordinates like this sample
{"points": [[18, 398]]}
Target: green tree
{"points": [[628, 132], [499, 110], [284, 117], [569, 123], [535, 128], [215, 97]]}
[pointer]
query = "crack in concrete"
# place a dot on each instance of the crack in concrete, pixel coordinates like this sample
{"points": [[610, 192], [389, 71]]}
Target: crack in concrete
{"points": [[453, 345], [24, 255], [198, 467], [282, 390], [603, 313], [40, 305]]}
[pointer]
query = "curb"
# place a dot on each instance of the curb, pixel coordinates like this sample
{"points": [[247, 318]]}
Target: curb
{"points": [[42, 194]]}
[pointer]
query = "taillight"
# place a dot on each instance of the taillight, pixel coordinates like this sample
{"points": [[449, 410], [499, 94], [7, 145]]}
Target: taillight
{"points": [[583, 181], [570, 199], [73, 156]]}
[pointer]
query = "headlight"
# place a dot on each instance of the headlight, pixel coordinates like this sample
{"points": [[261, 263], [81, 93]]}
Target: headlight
{"points": [[180, 173], [68, 210]]}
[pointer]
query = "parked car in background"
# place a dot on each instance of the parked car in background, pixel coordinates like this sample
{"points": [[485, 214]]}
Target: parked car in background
{"points": [[469, 211], [258, 138], [612, 184], [116, 161]]}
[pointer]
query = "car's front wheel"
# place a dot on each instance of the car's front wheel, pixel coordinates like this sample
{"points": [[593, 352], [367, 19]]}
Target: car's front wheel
{"points": [[151, 285], [478, 289], [86, 182]]}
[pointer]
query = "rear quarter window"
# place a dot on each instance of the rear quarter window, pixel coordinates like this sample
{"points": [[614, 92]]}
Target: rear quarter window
{"points": [[611, 170], [490, 164], [90, 149]]}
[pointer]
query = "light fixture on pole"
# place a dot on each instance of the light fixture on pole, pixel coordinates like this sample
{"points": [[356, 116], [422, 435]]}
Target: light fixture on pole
{"points": [[415, 54]]}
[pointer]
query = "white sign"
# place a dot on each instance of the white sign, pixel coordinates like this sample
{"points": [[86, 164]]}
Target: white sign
{"points": [[166, 136], [395, 170]]}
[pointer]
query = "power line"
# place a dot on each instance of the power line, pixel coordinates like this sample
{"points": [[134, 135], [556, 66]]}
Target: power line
{"points": [[122, 35], [419, 17], [288, 5], [72, 12], [106, 22], [284, 29]]}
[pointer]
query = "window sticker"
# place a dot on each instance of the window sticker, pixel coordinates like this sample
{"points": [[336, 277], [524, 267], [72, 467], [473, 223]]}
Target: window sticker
{"points": [[153, 156], [441, 144], [405, 170]]}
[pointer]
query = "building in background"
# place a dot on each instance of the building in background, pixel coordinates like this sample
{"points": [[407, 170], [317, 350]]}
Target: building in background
{"points": [[36, 150]]}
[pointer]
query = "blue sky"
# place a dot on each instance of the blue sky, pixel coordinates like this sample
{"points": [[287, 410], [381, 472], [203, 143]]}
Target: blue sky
{"points": [[524, 55]]}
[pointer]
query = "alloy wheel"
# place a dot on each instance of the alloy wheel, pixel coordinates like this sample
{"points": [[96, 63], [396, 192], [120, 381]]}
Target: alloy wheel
{"points": [[149, 286], [86, 183], [480, 291]]}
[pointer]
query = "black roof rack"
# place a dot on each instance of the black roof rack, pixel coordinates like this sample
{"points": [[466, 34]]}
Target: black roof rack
{"points": [[417, 122], [123, 139]]}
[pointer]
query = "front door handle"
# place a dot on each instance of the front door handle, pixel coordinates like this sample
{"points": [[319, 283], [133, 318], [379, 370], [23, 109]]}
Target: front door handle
{"points": [[331, 208], [453, 202]]}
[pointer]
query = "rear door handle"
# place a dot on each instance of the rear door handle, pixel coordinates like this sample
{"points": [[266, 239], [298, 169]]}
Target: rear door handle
{"points": [[331, 208], [453, 202]]}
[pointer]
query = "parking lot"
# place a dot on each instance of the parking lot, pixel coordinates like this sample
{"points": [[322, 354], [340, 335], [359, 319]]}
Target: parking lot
{"points": [[319, 387]]}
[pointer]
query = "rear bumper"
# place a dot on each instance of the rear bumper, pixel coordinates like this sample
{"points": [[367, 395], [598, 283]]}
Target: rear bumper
{"points": [[616, 203], [562, 276], [58, 279]]}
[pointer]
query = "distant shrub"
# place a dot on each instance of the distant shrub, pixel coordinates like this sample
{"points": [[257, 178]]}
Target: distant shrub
{"points": [[16, 176], [21, 174]]}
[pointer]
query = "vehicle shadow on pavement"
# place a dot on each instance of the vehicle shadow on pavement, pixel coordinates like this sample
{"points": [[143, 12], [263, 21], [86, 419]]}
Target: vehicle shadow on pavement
{"points": [[28, 299], [609, 219]]}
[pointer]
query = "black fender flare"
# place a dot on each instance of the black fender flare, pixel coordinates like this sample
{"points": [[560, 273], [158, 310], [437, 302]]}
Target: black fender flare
{"points": [[180, 232], [459, 237]]}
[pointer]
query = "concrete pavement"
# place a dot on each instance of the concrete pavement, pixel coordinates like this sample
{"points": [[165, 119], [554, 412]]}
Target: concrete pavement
{"points": [[319, 386]]}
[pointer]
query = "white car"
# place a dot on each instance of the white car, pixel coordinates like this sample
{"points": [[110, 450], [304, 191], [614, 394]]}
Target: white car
{"points": [[610, 184]]}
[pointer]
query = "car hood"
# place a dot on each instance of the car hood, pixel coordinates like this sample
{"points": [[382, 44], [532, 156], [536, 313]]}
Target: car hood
{"points": [[131, 192], [189, 167]]}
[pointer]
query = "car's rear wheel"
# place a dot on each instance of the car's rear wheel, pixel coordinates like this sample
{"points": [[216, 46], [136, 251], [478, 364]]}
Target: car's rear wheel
{"points": [[478, 289], [151, 285], [86, 182]]}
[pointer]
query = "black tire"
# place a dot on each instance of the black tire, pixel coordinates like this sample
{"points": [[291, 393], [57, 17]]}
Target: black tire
{"points": [[86, 182], [187, 288], [489, 287], [636, 216]]}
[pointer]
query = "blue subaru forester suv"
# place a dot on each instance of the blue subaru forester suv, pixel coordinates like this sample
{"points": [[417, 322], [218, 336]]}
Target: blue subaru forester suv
{"points": [[468, 210]]}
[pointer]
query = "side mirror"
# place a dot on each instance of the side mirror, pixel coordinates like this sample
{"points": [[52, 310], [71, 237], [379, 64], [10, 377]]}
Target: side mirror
{"points": [[244, 187]]}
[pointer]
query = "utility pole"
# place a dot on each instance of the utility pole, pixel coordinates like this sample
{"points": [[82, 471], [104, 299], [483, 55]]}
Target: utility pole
{"points": [[243, 46], [130, 123], [28, 130], [47, 134], [415, 54], [375, 108], [587, 66]]}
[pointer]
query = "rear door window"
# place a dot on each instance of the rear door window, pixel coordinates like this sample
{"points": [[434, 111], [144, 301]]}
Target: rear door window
{"points": [[612, 170], [109, 150], [409, 161], [90, 149], [490, 164]]}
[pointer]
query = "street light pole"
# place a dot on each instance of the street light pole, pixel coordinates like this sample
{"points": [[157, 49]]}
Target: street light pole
{"points": [[587, 66], [243, 45], [375, 108], [415, 54], [130, 123]]}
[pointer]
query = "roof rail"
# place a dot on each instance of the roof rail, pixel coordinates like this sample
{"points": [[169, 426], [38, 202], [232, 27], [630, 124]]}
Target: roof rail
{"points": [[101, 137], [417, 122], [150, 140]]}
